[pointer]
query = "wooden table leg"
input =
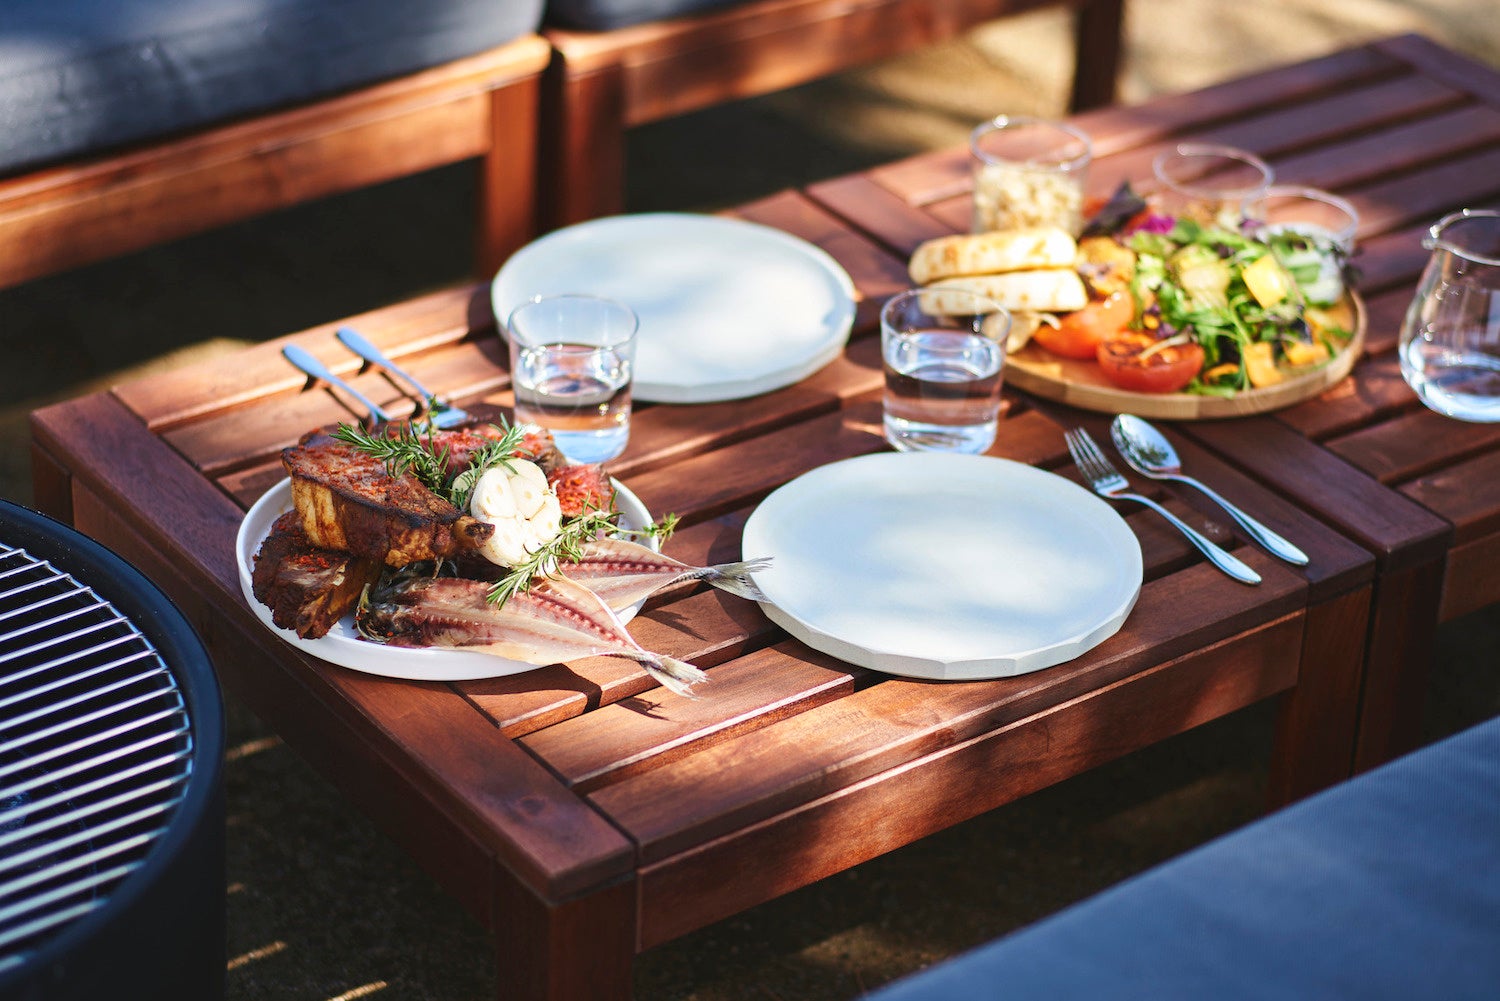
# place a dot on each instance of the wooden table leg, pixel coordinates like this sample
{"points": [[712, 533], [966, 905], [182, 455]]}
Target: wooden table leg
{"points": [[1317, 720], [1403, 635], [578, 950], [51, 485]]}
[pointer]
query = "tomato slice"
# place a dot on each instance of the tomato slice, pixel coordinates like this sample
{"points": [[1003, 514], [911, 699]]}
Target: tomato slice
{"points": [[1078, 334], [1134, 362]]}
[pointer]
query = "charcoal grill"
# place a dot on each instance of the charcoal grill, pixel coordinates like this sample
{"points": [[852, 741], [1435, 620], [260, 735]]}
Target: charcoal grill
{"points": [[111, 790]]}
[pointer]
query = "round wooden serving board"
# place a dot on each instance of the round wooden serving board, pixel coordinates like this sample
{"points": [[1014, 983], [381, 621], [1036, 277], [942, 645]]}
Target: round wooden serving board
{"points": [[1081, 384]]}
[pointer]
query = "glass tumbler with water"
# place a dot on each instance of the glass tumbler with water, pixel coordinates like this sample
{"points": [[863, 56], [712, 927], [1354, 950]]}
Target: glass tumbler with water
{"points": [[944, 353], [1450, 339], [571, 360]]}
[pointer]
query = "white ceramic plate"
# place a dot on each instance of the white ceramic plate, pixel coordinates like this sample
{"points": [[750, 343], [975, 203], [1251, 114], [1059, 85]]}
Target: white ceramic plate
{"points": [[343, 646], [728, 308], [944, 566]]}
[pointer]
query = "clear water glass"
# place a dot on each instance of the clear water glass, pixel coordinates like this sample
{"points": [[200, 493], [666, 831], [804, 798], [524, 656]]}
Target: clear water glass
{"points": [[1327, 222], [1211, 184], [1314, 212], [572, 358], [1450, 338], [944, 359]]}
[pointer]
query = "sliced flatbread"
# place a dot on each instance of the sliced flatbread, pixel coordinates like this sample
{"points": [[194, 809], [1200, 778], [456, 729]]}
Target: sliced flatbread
{"points": [[992, 253], [1054, 290]]}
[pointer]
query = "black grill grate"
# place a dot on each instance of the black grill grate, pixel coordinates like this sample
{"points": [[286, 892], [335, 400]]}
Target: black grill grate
{"points": [[96, 750]]}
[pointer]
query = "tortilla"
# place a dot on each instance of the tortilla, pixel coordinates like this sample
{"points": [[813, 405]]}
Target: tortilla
{"points": [[992, 253]]}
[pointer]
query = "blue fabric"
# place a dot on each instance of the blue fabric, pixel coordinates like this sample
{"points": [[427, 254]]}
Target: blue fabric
{"points": [[1387, 886], [603, 15], [80, 76]]}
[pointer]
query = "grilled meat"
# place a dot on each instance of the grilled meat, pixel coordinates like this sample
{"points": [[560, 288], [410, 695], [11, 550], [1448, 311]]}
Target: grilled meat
{"points": [[461, 442], [348, 501], [308, 589]]}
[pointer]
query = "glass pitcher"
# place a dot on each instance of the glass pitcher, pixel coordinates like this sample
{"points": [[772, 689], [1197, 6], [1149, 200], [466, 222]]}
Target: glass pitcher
{"points": [[1450, 340]]}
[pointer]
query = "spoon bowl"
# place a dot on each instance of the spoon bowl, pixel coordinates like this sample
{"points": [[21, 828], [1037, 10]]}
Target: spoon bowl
{"points": [[1146, 449], [1149, 453]]}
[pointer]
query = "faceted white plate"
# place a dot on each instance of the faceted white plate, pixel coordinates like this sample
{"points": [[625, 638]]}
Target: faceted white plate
{"points": [[728, 308], [944, 566]]}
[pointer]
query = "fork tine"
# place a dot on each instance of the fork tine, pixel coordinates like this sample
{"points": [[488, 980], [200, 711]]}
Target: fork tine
{"points": [[1096, 455], [1085, 454], [1071, 437], [1075, 449]]}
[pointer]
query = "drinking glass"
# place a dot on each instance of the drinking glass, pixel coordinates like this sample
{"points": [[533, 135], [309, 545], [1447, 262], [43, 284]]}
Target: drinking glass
{"points": [[1318, 214], [1029, 172], [1327, 222], [944, 354], [571, 362], [1213, 185], [1450, 339]]}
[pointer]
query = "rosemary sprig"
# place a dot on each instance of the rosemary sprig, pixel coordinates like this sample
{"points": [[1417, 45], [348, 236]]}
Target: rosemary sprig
{"points": [[661, 531], [567, 547], [403, 452], [410, 450]]}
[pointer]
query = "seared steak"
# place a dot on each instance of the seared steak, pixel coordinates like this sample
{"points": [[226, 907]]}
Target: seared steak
{"points": [[308, 589], [349, 502]]}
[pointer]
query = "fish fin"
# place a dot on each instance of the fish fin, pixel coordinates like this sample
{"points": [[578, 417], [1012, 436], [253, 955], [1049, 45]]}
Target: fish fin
{"points": [[736, 577], [674, 674]]}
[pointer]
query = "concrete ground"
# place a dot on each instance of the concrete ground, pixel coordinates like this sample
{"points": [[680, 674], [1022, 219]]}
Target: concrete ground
{"points": [[321, 905]]}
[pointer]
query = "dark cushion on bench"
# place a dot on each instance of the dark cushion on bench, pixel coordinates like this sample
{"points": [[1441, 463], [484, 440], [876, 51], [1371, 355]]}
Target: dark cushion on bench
{"points": [[605, 15], [80, 76], [1387, 886]]}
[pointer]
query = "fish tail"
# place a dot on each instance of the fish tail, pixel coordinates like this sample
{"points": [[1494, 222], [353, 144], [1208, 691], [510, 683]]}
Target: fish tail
{"points": [[736, 577], [677, 675]]}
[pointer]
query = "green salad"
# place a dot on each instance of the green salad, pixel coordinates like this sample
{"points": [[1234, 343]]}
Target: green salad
{"points": [[1256, 304]]}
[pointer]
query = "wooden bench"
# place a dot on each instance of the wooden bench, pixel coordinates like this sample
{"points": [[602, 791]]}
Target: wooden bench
{"points": [[602, 83], [482, 106], [492, 106]]}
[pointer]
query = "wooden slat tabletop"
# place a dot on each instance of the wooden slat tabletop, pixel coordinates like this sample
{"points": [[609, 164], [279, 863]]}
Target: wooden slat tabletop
{"points": [[1407, 131], [612, 815]]}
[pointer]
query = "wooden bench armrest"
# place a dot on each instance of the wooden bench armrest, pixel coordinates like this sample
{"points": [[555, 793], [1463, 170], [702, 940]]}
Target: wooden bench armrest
{"points": [[483, 106]]}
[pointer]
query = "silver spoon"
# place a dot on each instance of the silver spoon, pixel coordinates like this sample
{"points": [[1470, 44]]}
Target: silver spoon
{"points": [[1150, 454]]}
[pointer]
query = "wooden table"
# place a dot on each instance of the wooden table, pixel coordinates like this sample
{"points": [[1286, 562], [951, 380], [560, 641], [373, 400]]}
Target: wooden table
{"points": [[1408, 131], [586, 815]]}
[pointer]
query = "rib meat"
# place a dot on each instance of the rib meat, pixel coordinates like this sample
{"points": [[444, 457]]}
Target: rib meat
{"points": [[307, 588], [349, 502]]}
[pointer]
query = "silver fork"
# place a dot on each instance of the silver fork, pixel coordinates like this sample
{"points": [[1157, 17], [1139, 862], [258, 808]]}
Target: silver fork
{"points": [[1107, 482], [440, 413]]}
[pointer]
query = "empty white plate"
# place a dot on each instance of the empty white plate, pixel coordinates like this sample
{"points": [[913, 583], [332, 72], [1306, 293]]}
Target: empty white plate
{"points": [[728, 308], [944, 566]]}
